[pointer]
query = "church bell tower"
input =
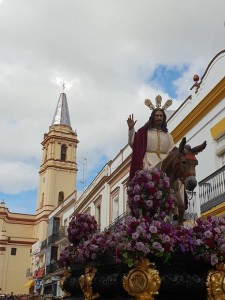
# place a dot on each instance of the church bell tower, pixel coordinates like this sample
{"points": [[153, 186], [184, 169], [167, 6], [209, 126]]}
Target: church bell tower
{"points": [[58, 168]]}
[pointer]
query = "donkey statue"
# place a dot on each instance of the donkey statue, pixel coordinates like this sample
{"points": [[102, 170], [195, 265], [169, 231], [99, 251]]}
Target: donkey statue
{"points": [[179, 166]]}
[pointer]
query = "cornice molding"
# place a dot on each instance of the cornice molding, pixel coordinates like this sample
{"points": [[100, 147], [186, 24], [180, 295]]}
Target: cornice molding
{"points": [[214, 97], [219, 210], [49, 138]]}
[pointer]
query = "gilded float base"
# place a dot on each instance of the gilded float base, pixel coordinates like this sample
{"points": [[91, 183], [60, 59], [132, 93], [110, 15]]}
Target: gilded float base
{"points": [[216, 283], [142, 281], [86, 283]]}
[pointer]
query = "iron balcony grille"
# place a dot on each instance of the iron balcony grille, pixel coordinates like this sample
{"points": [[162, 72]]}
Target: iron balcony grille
{"points": [[212, 190]]}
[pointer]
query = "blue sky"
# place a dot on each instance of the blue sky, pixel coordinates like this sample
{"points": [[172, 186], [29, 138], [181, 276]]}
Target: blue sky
{"points": [[164, 77], [24, 202], [97, 48]]}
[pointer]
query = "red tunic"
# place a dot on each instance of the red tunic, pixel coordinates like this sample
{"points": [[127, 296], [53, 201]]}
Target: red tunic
{"points": [[139, 149]]}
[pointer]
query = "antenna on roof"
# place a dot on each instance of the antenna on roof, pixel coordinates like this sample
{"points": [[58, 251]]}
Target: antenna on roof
{"points": [[83, 181]]}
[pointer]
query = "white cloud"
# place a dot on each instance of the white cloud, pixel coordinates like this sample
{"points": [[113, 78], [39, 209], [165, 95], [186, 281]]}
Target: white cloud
{"points": [[105, 51], [16, 177]]}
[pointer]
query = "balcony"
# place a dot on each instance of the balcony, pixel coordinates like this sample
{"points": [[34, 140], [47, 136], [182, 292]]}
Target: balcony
{"points": [[212, 190], [58, 236], [43, 244], [36, 248], [53, 267], [120, 219]]}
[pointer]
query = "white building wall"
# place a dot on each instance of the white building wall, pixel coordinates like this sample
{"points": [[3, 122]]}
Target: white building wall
{"points": [[209, 162]]}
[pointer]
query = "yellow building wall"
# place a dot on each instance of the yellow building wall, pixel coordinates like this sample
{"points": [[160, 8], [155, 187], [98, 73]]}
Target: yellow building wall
{"points": [[218, 130], [13, 270]]}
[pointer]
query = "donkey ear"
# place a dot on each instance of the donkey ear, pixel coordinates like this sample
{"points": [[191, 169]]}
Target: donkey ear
{"points": [[182, 145], [199, 148]]}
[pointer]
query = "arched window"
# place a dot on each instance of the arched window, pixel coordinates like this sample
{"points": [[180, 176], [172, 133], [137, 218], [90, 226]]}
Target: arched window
{"points": [[60, 197], [42, 200], [63, 152]]}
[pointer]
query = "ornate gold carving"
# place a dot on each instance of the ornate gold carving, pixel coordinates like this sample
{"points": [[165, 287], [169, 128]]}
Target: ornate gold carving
{"points": [[143, 281], [66, 275], [86, 283], [216, 283]]}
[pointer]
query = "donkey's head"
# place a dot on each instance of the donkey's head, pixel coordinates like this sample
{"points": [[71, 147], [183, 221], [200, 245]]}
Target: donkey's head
{"points": [[186, 162]]}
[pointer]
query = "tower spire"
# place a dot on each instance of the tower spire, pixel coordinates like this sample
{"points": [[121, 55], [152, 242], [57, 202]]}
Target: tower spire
{"points": [[61, 116]]}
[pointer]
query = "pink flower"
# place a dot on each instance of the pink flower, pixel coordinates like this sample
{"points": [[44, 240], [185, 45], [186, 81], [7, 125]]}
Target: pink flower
{"points": [[140, 246], [159, 195], [135, 236], [137, 197], [153, 229], [149, 203], [81, 227], [208, 234], [149, 194], [157, 246], [214, 259]]}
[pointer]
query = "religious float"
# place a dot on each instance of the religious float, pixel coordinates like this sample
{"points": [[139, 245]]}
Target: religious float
{"points": [[145, 256]]}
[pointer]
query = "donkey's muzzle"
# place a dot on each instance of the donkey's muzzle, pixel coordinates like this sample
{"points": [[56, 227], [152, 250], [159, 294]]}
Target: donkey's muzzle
{"points": [[190, 183]]}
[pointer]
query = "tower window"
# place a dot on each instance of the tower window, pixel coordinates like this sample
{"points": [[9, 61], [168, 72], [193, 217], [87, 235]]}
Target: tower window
{"points": [[42, 200], [63, 152], [60, 197], [13, 251]]}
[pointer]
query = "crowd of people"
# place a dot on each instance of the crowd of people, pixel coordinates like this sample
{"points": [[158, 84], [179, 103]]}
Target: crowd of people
{"points": [[18, 297]]}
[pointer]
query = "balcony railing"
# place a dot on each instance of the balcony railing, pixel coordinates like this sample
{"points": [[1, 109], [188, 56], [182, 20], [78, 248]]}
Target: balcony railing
{"points": [[43, 244], [51, 268], [58, 235], [212, 190], [119, 219], [61, 233]]}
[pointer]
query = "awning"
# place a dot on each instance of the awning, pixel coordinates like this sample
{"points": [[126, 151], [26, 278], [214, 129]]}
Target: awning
{"points": [[29, 283]]}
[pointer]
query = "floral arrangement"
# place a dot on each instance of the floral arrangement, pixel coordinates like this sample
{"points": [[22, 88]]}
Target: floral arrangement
{"points": [[81, 227], [137, 238], [141, 235], [209, 239], [149, 194]]}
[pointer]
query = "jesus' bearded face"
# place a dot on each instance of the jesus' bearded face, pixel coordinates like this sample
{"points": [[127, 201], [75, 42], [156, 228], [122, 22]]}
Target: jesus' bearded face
{"points": [[158, 118]]}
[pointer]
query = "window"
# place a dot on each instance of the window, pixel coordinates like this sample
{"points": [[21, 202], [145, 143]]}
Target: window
{"points": [[97, 204], [63, 152], [223, 159], [42, 200], [2, 250], [98, 215], [126, 206], [115, 208], [60, 197], [13, 251], [220, 151], [114, 204]]}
